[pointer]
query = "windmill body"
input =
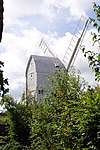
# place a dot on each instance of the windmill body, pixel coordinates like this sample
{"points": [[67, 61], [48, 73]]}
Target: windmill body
{"points": [[38, 71]]}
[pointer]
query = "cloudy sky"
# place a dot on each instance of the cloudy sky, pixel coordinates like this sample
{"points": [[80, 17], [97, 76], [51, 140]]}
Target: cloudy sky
{"points": [[27, 21]]}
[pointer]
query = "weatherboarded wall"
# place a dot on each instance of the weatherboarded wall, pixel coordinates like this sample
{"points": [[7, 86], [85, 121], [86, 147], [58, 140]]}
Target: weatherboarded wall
{"points": [[31, 78], [38, 71]]}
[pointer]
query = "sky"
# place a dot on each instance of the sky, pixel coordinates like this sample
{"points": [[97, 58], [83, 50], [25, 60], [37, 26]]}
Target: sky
{"points": [[27, 21]]}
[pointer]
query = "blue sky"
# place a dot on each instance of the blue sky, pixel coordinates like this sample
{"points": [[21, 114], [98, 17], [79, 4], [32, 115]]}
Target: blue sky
{"points": [[27, 21]]}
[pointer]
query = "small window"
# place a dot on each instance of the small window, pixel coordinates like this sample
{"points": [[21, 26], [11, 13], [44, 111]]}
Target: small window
{"points": [[31, 74], [57, 65], [40, 91]]}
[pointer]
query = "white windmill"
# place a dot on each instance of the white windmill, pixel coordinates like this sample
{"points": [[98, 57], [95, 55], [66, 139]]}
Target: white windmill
{"points": [[39, 68]]}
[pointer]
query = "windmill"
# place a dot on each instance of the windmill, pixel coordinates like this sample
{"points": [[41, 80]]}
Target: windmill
{"points": [[75, 43], [39, 68]]}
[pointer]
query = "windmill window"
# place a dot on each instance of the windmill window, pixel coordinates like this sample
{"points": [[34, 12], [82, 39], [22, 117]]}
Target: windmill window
{"points": [[40, 91], [31, 74], [57, 65]]}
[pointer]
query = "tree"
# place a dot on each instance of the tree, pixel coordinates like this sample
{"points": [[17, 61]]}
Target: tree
{"points": [[91, 136], [68, 118], [19, 118], [56, 122], [3, 81], [93, 57], [3, 129]]}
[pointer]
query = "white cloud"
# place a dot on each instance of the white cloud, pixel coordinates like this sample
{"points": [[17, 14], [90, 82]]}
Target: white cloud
{"points": [[81, 62], [59, 45], [50, 9], [18, 51], [17, 9]]}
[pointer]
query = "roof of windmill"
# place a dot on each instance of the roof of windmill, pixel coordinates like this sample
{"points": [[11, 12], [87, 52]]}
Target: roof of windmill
{"points": [[45, 64]]}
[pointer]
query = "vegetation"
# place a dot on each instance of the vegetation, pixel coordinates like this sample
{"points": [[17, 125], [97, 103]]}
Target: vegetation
{"points": [[94, 57], [67, 119], [18, 120], [3, 81]]}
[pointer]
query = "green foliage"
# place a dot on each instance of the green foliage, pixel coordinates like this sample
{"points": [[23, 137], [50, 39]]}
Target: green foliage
{"points": [[68, 118], [3, 81], [94, 58], [19, 117], [91, 137], [3, 129]]}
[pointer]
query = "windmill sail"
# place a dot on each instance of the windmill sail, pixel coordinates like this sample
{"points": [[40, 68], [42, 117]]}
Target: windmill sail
{"points": [[76, 42], [44, 46]]}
